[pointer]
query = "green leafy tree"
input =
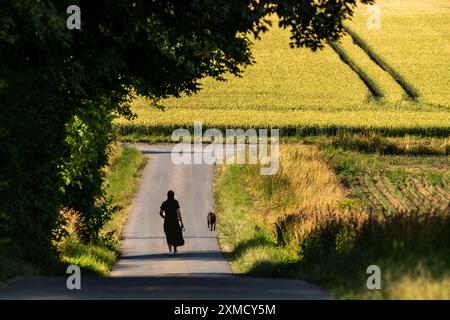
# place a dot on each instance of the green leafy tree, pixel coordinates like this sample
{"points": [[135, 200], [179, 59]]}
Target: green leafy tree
{"points": [[59, 88]]}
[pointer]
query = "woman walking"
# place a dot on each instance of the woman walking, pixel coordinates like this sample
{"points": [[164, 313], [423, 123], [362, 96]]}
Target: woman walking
{"points": [[173, 223]]}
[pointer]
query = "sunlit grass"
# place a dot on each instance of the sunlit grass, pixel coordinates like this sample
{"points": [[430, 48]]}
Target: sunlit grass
{"points": [[93, 258], [123, 181], [250, 205]]}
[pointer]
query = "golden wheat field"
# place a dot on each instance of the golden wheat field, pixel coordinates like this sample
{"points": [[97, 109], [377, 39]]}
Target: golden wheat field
{"points": [[414, 37], [393, 121], [302, 92], [282, 78]]}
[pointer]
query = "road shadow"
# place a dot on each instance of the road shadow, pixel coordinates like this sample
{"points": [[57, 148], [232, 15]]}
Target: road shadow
{"points": [[168, 152], [164, 238], [179, 287], [195, 255]]}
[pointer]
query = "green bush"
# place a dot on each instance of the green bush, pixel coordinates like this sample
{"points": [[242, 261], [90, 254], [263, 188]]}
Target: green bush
{"points": [[89, 137]]}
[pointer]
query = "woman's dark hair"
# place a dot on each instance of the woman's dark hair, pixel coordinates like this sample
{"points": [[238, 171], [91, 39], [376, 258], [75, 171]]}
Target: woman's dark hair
{"points": [[170, 194]]}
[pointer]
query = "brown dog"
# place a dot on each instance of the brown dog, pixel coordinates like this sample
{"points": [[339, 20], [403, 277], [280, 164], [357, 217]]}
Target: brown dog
{"points": [[212, 221]]}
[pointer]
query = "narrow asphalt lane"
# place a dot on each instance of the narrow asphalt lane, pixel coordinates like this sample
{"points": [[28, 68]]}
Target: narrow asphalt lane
{"points": [[145, 251]]}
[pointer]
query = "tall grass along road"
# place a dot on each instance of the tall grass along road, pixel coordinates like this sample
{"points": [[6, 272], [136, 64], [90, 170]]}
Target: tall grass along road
{"points": [[330, 213]]}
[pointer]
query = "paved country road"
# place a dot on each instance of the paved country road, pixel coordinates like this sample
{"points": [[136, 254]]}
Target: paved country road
{"points": [[146, 271], [145, 250]]}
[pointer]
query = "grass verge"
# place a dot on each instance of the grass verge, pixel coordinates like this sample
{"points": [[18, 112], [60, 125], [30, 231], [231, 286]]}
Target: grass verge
{"points": [[123, 178]]}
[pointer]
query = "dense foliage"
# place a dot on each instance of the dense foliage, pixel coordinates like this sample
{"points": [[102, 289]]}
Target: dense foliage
{"points": [[60, 88]]}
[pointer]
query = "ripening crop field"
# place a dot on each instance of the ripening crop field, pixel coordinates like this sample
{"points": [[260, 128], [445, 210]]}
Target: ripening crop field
{"points": [[309, 93], [392, 92], [282, 78], [309, 122], [414, 37]]}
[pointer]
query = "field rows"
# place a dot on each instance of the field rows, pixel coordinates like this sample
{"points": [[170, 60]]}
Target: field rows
{"points": [[390, 89], [403, 190], [414, 38]]}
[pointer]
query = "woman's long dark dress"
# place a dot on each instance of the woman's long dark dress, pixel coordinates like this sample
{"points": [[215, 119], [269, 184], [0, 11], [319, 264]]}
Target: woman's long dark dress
{"points": [[172, 227]]}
